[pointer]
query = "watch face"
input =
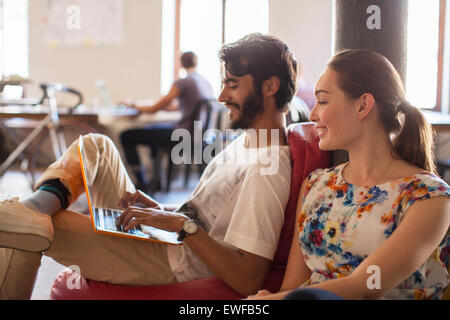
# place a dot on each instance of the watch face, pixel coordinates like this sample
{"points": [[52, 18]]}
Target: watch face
{"points": [[190, 226]]}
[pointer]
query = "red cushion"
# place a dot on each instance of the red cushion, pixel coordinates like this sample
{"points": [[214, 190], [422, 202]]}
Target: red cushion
{"points": [[306, 157], [200, 289]]}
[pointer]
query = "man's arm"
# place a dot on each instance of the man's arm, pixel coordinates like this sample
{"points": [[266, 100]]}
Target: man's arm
{"points": [[254, 228], [163, 103], [243, 271]]}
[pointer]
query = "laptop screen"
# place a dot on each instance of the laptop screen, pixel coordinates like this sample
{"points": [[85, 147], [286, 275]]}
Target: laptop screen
{"points": [[151, 233], [86, 179]]}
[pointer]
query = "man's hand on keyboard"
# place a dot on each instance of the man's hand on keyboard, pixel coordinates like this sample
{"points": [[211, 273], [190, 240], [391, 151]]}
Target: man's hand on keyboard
{"points": [[138, 198], [165, 220]]}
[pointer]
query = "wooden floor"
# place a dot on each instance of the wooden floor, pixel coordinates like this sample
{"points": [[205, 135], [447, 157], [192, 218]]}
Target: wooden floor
{"points": [[15, 183]]}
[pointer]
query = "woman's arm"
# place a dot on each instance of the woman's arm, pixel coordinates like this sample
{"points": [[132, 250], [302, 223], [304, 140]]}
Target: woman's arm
{"points": [[424, 226]]}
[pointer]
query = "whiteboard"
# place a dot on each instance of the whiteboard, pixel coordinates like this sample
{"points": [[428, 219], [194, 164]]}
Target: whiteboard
{"points": [[84, 22]]}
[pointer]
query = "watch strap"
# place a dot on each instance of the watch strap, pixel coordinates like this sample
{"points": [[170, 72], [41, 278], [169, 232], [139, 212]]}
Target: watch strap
{"points": [[181, 235]]}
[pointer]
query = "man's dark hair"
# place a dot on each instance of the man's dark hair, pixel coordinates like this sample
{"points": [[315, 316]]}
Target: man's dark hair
{"points": [[263, 56], [188, 60]]}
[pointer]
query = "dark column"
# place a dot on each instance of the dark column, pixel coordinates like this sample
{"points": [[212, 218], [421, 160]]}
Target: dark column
{"points": [[351, 31], [356, 28]]}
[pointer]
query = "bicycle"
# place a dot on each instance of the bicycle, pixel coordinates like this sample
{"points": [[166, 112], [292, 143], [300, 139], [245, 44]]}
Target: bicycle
{"points": [[50, 132]]}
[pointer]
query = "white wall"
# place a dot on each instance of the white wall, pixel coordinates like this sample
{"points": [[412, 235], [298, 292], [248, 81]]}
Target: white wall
{"points": [[130, 70], [134, 68], [305, 26], [167, 44]]}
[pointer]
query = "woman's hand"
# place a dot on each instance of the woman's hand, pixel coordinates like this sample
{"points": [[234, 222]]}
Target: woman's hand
{"points": [[164, 220], [138, 198], [259, 294]]}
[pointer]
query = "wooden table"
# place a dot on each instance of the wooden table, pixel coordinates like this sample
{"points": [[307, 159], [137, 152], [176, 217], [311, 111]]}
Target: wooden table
{"points": [[109, 121], [439, 121], [102, 116], [39, 113]]}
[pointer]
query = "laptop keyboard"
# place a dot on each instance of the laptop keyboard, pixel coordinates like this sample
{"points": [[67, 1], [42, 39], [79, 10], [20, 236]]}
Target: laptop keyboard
{"points": [[105, 219]]}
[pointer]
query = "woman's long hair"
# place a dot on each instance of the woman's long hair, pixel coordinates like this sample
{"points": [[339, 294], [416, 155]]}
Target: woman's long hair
{"points": [[364, 71]]}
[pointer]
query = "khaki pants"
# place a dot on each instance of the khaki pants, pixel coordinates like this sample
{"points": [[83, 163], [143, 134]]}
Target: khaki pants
{"points": [[99, 257]]}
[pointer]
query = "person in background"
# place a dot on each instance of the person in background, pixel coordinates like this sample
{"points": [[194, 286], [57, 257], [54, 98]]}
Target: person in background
{"points": [[377, 226], [188, 91]]}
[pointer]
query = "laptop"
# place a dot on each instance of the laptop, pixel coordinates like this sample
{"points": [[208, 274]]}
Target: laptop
{"points": [[104, 219]]}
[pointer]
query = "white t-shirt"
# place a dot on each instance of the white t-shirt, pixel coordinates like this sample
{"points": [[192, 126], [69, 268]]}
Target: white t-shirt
{"points": [[240, 201]]}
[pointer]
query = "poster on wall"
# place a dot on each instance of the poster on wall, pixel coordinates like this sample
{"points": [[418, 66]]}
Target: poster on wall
{"points": [[83, 22]]}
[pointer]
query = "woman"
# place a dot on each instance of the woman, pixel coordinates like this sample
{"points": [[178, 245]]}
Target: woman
{"points": [[376, 226]]}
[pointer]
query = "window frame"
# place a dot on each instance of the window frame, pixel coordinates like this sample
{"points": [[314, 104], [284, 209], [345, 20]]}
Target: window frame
{"points": [[177, 62], [441, 45]]}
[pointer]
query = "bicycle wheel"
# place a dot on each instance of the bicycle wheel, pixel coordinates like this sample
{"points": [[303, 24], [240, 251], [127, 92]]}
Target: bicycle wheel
{"points": [[42, 154]]}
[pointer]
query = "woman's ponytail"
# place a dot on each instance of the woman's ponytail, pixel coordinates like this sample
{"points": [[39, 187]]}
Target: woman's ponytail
{"points": [[414, 142]]}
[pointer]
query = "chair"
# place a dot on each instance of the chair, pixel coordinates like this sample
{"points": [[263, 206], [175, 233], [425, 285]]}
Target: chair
{"points": [[305, 156], [442, 166], [206, 111], [298, 111], [442, 163]]}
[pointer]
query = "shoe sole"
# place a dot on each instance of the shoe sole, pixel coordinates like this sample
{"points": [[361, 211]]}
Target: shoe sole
{"points": [[24, 241], [25, 238]]}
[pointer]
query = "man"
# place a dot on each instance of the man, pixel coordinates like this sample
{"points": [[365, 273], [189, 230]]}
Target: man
{"points": [[235, 213], [189, 91]]}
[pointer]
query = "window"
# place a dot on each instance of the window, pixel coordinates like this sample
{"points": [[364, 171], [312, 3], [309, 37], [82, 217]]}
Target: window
{"points": [[201, 32], [204, 25], [245, 16], [425, 44], [14, 38]]}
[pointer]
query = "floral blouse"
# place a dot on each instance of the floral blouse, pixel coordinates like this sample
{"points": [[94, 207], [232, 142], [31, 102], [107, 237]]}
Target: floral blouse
{"points": [[341, 224]]}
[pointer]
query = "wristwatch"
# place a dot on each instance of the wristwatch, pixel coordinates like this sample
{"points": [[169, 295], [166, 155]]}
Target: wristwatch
{"points": [[189, 227]]}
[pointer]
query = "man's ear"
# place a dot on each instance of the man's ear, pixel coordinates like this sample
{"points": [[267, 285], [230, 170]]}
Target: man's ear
{"points": [[364, 105], [270, 86]]}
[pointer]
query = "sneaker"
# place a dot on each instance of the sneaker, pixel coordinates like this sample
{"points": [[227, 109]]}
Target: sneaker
{"points": [[24, 229]]}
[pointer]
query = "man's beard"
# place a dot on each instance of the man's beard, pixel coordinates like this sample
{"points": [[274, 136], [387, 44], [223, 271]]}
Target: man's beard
{"points": [[251, 106]]}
